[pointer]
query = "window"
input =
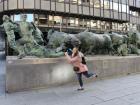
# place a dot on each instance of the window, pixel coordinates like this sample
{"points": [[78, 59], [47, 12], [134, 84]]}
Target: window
{"points": [[73, 1], [30, 17], [51, 20], [71, 21], [88, 23], [85, 0], [97, 3], [42, 19], [106, 4], [60, 0], [2, 0], [115, 6], [124, 8], [98, 24], [76, 22], [94, 23], [16, 17], [57, 20], [134, 13], [65, 21]]}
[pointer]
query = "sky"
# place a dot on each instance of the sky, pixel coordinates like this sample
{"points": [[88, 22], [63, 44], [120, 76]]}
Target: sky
{"points": [[29, 17]]}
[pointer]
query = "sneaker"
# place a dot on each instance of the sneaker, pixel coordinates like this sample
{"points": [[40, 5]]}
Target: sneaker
{"points": [[20, 56], [79, 89], [95, 75]]}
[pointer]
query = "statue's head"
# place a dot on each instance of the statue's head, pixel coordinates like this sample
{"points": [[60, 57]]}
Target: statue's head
{"points": [[23, 17], [50, 32], [5, 18]]}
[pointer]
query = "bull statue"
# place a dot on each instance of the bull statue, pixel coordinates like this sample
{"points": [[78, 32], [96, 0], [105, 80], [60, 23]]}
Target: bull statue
{"points": [[55, 38], [61, 41], [119, 43], [95, 43], [134, 42], [87, 42]]}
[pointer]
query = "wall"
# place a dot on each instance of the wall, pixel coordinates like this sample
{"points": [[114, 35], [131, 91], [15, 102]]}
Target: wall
{"points": [[30, 73]]}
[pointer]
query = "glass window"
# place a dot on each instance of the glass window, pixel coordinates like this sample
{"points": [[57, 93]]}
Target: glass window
{"points": [[84, 22], [134, 13], [91, 2], [2, 0], [79, 2], [57, 20], [120, 7], [81, 22], [88, 23], [97, 3], [36, 19], [114, 26], [94, 23], [120, 27], [124, 8], [42, 19], [71, 21], [76, 21], [127, 9], [106, 4], [60, 0], [115, 6], [51, 20], [73, 1], [111, 5], [107, 26], [134, 27], [102, 25], [16, 17], [65, 21], [85, 0], [99, 24], [30, 17]]}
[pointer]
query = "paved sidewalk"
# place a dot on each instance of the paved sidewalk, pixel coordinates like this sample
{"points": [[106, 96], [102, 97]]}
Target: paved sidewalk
{"points": [[2, 73], [116, 91]]}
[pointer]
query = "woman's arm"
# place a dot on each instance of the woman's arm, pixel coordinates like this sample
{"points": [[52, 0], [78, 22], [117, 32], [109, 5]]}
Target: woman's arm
{"points": [[71, 60]]}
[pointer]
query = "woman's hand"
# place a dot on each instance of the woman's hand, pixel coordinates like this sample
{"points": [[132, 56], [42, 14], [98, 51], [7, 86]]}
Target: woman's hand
{"points": [[66, 53], [68, 57]]}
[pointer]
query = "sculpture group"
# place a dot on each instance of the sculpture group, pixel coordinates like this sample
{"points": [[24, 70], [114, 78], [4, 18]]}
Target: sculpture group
{"points": [[30, 41], [91, 43]]}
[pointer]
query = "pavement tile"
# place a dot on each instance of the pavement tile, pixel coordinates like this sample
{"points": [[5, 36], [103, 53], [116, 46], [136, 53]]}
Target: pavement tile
{"points": [[136, 104], [113, 91], [114, 102], [110, 96], [133, 98]]}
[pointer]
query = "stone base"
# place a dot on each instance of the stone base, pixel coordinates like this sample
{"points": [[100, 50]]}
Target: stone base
{"points": [[30, 73]]}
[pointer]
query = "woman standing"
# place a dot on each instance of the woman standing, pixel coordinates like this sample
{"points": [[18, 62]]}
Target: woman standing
{"points": [[80, 68]]}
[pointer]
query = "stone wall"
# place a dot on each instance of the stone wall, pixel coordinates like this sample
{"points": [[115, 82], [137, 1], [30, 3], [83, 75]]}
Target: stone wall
{"points": [[30, 73]]}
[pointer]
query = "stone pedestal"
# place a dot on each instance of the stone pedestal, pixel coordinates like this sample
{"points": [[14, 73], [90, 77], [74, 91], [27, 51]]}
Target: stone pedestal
{"points": [[30, 73]]}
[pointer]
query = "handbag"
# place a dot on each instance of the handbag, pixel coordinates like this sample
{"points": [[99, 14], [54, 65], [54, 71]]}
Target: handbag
{"points": [[83, 60], [76, 69]]}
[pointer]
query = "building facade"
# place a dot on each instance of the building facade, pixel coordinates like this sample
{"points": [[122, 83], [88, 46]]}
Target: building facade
{"points": [[76, 15]]}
